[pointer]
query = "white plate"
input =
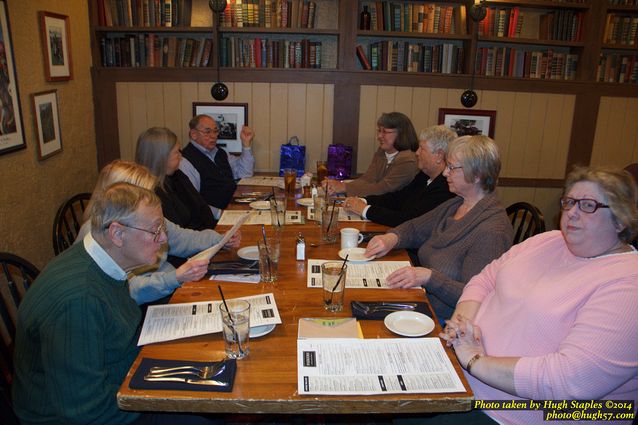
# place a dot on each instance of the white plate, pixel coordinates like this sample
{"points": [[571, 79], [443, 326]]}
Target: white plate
{"points": [[249, 253], [258, 331], [260, 205], [355, 255], [305, 202], [245, 200], [409, 323]]}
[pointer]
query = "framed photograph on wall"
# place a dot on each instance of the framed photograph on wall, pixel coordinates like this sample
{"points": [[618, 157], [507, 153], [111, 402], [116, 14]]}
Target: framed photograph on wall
{"points": [[467, 122], [47, 123], [11, 129], [56, 45], [230, 118]]}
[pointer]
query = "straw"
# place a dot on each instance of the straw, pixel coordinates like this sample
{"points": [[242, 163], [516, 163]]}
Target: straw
{"points": [[332, 214], [263, 233], [345, 260], [230, 316], [276, 208]]}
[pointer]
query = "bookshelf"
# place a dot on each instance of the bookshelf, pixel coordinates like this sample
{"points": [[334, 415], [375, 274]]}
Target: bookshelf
{"points": [[618, 62]]}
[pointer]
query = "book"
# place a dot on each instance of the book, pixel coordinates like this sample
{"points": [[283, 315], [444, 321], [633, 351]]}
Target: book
{"points": [[363, 60]]}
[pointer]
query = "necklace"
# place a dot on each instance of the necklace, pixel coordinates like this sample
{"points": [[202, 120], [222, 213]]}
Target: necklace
{"points": [[616, 249]]}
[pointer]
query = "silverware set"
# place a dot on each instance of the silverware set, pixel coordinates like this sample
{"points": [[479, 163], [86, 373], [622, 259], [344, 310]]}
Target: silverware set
{"points": [[188, 374], [371, 308]]}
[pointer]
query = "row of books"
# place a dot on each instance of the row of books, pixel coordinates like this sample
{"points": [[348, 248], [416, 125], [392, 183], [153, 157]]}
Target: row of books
{"points": [[621, 29], [403, 56], [269, 14], [616, 68], [144, 13], [624, 2], [564, 25], [265, 53], [151, 50], [513, 62], [417, 17]]}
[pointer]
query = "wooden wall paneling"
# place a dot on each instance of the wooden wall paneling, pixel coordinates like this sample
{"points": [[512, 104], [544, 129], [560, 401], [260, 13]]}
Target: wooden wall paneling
{"points": [[546, 199], [368, 115], [172, 110], [297, 105], [327, 136], [583, 129], [514, 161], [314, 125], [420, 115], [106, 125], [453, 98], [188, 95], [260, 124], [346, 97], [531, 137], [608, 131], [627, 143], [555, 138], [403, 100], [124, 121], [565, 137], [503, 104], [437, 99], [203, 93], [278, 122], [155, 105], [138, 117]]}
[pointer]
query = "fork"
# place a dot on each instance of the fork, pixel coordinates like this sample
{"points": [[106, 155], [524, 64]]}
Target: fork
{"points": [[203, 372], [367, 309]]}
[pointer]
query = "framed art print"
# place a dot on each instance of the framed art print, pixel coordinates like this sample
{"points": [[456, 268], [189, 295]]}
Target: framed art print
{"points": [[56, 45], [467, 122], [230, 118], [11, 130], [47, 123]]}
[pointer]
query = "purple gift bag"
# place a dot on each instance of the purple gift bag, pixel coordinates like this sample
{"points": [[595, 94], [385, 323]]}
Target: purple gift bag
{"points": [[339, 161]]}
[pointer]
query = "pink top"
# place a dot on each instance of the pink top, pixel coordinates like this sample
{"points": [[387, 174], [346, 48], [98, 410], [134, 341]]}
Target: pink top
{"points": [[572, 320]]}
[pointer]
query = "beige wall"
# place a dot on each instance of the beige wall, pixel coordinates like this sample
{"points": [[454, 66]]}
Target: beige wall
{"points": [[616, 139], [33, 189]]}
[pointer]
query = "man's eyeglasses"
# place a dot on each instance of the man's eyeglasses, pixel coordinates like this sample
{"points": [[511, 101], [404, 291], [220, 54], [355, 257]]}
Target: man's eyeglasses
{"points": [[588, 206], [386, 130], [157, 234], [451, 167], [208, 131]]}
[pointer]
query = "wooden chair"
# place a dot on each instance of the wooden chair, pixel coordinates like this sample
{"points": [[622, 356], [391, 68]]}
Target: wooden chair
{"points": [[16, 277], [527, 220], [68, 221]]}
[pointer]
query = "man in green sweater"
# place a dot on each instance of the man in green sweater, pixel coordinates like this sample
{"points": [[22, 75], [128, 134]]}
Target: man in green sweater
{"points": [[78, 326]]}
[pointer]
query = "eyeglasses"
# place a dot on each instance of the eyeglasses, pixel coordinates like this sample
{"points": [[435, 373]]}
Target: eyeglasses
{"points": [[451, 167], [208, 131], [385, 130], [156, 234], [588, 206]]}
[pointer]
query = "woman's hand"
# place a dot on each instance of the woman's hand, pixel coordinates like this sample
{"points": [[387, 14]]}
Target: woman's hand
{"points": [[355, 205], [409, 277], [191, 270], [465, 337], [234, 241], [382, 244]]}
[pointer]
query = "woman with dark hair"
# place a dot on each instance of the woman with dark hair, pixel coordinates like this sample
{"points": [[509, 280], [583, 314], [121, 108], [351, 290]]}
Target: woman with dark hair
{"points": [[157, 149], [394, 163]]}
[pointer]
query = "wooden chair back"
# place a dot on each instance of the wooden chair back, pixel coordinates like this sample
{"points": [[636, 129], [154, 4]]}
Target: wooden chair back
{"points": [[527, 220], [68, 221]]}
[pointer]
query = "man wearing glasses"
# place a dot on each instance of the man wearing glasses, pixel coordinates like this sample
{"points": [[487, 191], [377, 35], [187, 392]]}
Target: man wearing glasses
{"points": [[210, 169]]}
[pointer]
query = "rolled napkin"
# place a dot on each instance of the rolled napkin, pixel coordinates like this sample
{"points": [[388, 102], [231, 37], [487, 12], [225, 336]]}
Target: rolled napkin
{"points": [[380, 314], [138, 382]]}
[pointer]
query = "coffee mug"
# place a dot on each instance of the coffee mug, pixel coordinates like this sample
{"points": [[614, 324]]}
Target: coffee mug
{"points": [[350, 238]]}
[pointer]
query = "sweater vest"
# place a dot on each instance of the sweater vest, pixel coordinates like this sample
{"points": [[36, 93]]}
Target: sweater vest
{"points": [[217, 185]]}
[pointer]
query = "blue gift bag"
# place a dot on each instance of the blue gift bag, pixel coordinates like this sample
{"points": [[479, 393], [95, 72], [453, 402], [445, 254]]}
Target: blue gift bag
{"points": [[292, 155]]}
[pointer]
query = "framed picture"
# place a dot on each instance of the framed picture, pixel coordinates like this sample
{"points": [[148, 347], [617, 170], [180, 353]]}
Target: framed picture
{"points": [[11, 130], [230, 118], [467, 122], [56, 44], [47, 123]]}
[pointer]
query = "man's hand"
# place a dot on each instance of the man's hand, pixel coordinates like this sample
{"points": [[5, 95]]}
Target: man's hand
{"points": [[192, 270], [246, 136], [234, 241], [355, 205]]}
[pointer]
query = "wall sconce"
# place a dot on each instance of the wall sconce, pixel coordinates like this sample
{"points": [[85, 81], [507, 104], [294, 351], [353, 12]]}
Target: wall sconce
{"points": [[219, 91], [478, 11]]}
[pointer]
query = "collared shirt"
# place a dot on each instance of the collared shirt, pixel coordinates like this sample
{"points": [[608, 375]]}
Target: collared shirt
{"points": [[102, 259]]}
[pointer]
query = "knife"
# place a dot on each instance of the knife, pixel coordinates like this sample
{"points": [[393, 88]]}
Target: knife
{"points": [[187, 381]]}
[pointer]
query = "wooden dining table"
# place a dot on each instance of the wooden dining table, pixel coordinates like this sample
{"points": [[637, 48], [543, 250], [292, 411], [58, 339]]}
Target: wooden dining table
{"points": [[266, 380]]}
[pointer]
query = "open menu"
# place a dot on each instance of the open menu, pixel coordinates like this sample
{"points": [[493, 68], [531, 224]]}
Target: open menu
{"points": [[374, 366], [366, 275], [209, 253], [174, 321]]}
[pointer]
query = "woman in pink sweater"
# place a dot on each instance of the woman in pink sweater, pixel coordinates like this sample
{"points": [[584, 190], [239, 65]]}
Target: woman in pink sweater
{"points": [[554, 318]]}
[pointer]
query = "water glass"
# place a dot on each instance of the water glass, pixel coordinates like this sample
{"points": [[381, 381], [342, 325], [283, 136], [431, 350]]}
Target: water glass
{"points": [[330, 223], [269, 260], [290, 181], [236, 328], [333, 279], [322, 171], [278, 211], [319, 204]]}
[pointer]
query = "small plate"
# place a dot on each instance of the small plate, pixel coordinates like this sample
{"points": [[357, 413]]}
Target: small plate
{"points": [[305, 202], [355, 255], [245, 200], [260, 205], [258, 331], [409, 323], [249, 253], [252, 194]]}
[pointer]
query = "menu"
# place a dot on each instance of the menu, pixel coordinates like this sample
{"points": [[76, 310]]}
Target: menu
{"points": [[173, 321], [262, 181], [231, 217], [374, 366], [366, 275]]}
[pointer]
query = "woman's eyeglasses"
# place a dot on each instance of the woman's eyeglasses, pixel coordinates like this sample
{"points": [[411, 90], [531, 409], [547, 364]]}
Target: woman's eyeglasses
{"points": [[451, 167], [381, 130], [588, 206]]}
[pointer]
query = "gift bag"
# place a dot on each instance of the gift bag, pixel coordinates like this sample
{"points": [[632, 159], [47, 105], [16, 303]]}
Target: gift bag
{"points": [[339, 161], [292, 156]]}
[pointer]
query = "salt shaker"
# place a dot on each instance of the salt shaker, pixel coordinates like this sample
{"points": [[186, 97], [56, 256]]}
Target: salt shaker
{"points": [[301, 248]]}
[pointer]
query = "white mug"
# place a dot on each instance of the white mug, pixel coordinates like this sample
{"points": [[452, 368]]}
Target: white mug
{"points": [[350, 238]]}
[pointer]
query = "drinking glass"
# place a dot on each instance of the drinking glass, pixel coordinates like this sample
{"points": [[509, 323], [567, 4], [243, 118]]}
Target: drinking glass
{"points": [[333, 279], [290, 180], [269, 259], [322, 171], [236, 328]]}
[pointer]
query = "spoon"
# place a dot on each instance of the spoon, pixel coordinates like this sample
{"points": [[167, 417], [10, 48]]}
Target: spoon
{"points": [[315, 245]]}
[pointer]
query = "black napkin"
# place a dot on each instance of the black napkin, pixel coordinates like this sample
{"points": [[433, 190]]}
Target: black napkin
{"points": [[138, 382], [233, 267], [380, 315], [369, 235]]}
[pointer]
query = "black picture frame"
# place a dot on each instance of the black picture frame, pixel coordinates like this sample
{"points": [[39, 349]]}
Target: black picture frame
{"points": [[468, 122], [230, 118]]}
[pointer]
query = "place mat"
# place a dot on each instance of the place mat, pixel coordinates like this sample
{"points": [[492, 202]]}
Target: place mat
{"points": [[138, 382], [421, 307]]}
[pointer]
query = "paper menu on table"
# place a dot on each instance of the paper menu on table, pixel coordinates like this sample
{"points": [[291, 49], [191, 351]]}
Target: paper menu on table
{"points": [[174, 321], [258, 217], [208, 253], [365, 275], [374, 366]]}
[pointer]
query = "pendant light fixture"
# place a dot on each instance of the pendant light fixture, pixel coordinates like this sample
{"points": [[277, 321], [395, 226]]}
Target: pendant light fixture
{"points": [[478, 11], [219, 91]]}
